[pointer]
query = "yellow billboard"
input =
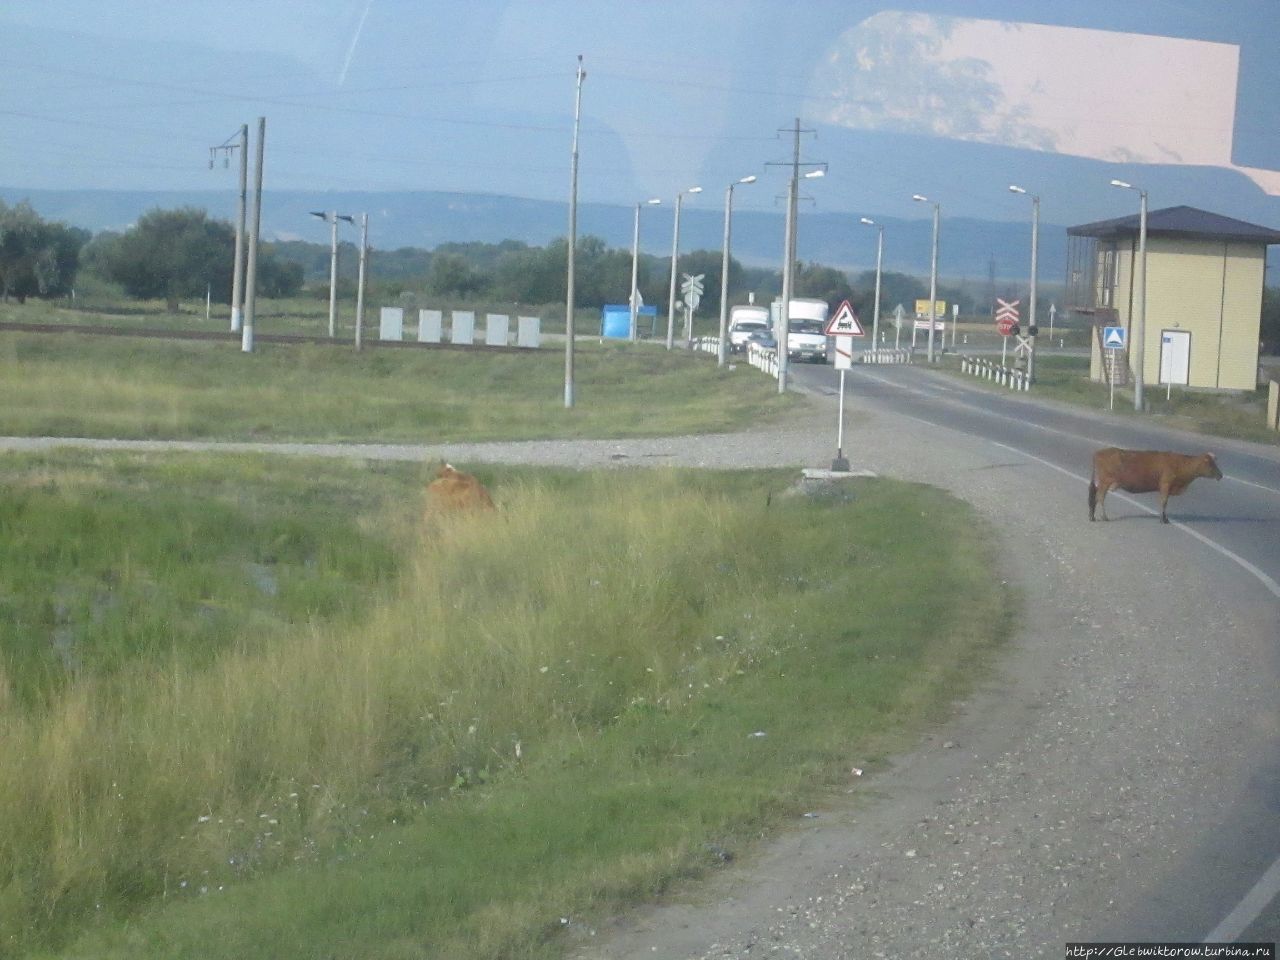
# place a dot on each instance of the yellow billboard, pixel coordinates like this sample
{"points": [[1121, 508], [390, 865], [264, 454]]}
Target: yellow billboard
{"points": [[922, 309]]}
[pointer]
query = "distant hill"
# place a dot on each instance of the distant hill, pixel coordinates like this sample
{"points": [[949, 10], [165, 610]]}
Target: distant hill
{"points": [[967, 247]]}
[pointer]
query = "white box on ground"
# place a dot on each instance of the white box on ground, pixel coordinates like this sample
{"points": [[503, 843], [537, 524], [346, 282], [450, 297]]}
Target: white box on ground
{"points": [[391, 323], [430, 325], [464, 327], [496, 327], [529, 332]]}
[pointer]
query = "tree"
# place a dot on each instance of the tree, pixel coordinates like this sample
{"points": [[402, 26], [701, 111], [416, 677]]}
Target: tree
{"points": [[182, 253], [821, 283], [173, 254], [450, 273], [37, 258]]}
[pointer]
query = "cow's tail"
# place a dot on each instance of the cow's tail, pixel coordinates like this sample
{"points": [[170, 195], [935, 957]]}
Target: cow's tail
{"points": [[1093, 493]]}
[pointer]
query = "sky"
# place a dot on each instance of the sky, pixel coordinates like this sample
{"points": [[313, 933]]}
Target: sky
{"points": [[952, 99]]}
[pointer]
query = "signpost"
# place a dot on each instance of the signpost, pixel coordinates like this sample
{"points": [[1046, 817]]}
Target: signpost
{"points": [[844, 326], [899, 315], [1006, 324], [691, 287], [1113, 340]]}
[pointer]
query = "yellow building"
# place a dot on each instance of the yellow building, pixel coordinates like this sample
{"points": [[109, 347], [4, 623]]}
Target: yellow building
{"points": [[1205, 275]]}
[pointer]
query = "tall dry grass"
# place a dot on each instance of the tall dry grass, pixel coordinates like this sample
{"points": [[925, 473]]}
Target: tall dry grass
{"points": [[508, 630]]}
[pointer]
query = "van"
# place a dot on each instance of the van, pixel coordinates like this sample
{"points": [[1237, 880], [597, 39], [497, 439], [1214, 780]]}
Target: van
{"points": [[805, 337]]}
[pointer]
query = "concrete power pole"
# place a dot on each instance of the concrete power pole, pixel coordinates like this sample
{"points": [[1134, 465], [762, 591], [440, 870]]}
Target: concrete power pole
{"points": [[251, 278], [364, 257], [573, 243], [237, 281]]}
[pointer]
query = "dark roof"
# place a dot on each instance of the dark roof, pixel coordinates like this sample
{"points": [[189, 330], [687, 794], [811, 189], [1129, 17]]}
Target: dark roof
{"points": [[1181, 222]]}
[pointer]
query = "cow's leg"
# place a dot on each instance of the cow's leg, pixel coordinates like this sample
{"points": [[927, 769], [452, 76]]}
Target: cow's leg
{"points": [[1102, 498], [1164, 504]]}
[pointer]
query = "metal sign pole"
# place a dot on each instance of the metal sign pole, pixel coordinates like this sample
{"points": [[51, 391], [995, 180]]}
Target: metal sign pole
{"points": [[840, 463]]}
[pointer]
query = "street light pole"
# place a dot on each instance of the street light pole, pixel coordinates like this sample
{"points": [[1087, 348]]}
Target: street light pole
{"points": [[875, 321], [675, 253], [1140, 326], [635, 269], [573, 243], [332, 218], [722, 352], [1032, 327], [933, 271]]}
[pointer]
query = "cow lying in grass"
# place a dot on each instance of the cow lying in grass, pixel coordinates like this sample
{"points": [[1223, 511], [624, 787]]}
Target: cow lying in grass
{"points": [[452, 491], [1146, 471]]}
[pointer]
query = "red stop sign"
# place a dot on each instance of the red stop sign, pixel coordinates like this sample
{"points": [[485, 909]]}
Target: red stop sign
{"points": [[1006, 326]]}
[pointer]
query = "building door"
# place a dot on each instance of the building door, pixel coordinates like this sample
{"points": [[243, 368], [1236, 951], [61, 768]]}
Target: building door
{"points": [[1175, 356]]}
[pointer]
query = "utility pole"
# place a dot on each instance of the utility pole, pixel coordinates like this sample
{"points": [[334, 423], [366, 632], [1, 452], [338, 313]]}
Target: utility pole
{"points": [[364, 256], [573, 243], [789, 245], [333, 275], [237, 282], [251, 278]]}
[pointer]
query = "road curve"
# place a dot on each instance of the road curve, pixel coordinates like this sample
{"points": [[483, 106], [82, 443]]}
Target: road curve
{"points": [[1117, 779]]}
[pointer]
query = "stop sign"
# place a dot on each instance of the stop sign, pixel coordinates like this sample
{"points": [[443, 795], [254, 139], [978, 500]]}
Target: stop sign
{"points": [[1007, 326]]}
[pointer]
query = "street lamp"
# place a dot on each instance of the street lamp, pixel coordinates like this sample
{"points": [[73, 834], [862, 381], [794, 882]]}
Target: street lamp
{"points": [[333, 218], [635, 265], [1032, 328], [933, 270], [675, 253], [875, 314], [723, 350], [1140, 327]]}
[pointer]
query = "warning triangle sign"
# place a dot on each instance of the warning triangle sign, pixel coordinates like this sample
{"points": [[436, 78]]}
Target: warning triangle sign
{"points": [[1114, 337], [844, 323]]}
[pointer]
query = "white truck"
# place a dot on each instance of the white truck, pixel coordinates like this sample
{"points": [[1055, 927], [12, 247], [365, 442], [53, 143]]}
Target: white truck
{"points": [[805, 339], [745, 320]]}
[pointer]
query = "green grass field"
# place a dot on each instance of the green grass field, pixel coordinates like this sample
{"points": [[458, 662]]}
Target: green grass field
{"points": [[125, 387], [260, 709]]}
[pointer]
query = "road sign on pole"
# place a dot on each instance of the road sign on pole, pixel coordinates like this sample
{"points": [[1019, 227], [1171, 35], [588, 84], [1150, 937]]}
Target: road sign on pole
{"points": [[844, 323], [1007, 316]]}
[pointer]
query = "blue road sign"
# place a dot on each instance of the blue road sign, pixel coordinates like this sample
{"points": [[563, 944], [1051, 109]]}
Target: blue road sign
{"points": [[1113, 338]]}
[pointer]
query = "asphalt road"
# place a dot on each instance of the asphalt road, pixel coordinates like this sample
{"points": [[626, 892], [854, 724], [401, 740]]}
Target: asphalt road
{"points": [[1227, 860], [1118, 779]]}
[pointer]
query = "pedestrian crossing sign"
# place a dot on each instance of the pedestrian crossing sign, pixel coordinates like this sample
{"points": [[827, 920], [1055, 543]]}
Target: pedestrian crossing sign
{"points": [[1113, 338]]}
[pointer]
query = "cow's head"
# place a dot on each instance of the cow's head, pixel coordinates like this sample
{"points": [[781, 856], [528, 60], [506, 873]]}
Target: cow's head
{"points": [[1211, 466]]}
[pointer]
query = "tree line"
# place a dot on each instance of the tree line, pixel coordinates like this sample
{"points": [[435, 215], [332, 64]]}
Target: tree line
{"points": [[180, 254]]}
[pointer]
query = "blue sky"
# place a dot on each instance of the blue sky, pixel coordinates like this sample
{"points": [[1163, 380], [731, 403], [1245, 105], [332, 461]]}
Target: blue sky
{"points": [[951, 98]]}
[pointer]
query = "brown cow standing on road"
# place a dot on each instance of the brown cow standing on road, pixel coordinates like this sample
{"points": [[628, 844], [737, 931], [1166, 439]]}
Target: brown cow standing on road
{"points": [[1146, 471]]}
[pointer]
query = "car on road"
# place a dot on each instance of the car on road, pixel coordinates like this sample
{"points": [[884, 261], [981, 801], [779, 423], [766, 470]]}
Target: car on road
{"points": [[744, 321]]}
